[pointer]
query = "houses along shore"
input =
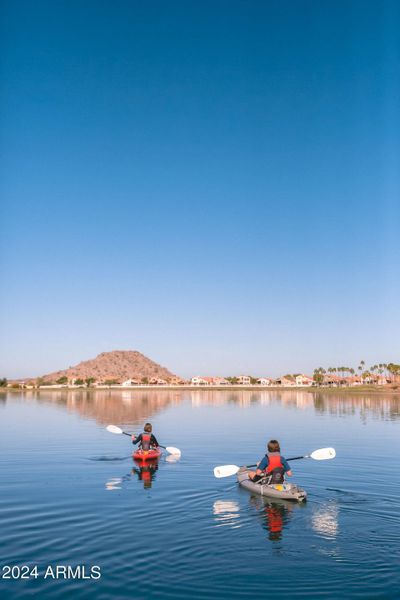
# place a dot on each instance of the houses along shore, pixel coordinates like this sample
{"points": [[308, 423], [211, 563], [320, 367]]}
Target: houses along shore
{"points": [[300, 380]]}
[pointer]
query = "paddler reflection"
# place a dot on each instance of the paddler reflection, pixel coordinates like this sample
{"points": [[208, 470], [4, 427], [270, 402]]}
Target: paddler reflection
{"points": [[145, 472], [275, 515]]}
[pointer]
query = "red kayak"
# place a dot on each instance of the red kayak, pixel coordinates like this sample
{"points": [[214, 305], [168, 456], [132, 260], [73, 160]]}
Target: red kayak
{"points": [[145, 455]]}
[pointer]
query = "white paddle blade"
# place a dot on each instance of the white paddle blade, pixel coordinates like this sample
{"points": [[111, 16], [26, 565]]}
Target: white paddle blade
{"points": [[323, 454], [225, 470], [172, 450], [113, 429]]}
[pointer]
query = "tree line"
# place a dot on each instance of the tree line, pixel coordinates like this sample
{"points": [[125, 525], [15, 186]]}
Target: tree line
{"points": [[390, 370]]}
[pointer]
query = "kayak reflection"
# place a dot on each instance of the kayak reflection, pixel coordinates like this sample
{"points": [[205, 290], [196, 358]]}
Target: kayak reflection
{"points": [[275, 515], [145, 472]]}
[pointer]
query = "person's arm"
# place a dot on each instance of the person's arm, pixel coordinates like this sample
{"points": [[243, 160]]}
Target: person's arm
{"points": [[136, 440], [262, 465], [286, 467], [154, 440]]}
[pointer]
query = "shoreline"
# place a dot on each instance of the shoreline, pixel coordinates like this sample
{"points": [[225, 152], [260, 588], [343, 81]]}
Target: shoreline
{"points": [[235, 387]]}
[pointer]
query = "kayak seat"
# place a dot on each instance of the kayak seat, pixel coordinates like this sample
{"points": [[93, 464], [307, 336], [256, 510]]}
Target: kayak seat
{"points": [[276, 477], [265, 480]]}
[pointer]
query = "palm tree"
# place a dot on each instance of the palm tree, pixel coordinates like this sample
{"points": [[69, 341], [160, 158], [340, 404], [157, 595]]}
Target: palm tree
{"points": [[393, 370], [318, 375]]}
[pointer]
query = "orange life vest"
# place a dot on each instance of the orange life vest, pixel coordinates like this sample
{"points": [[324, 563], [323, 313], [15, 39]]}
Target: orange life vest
{"points": [[274, 461], [275, 467]]}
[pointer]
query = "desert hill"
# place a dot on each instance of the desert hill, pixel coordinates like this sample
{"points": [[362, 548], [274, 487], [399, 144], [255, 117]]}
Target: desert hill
{"points": [[118, 365]]}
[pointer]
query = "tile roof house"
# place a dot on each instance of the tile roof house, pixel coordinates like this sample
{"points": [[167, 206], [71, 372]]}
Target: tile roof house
{"points": [[303, 380], [209, 381], [130, 382], [157, 381], [220, 381], [177, 381], [286, 381], [354, 380], [200, 380], [333, 380], [264, 381]]}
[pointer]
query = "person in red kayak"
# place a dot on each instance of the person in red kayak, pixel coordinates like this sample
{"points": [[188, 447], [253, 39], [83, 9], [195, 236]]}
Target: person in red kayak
{"points": [[146, 439], [273, 465]]}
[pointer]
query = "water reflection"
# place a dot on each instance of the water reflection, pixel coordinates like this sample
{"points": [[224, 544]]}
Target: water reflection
{"points": [[108, 458], [343, 543], [114, 406], [274, 515], [145, 472], [325, 521], [172, 458], [106, 406], [114, 484], [385, 407], [226, 513]]}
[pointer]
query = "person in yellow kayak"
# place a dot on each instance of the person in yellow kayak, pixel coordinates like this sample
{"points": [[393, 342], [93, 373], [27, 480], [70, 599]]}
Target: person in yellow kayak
{"points": [[273, 466], [146, 439]]}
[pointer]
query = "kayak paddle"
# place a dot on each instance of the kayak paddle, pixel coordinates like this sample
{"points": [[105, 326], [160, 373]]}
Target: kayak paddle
{"points": [[321, 454], [118, 430]]}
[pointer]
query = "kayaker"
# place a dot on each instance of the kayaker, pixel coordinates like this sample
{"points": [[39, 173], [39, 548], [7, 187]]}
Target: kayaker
{"points": [[146, 439], [273, 464]]}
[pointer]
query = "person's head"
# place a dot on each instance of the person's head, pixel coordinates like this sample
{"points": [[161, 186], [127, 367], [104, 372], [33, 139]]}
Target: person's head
{"points": [[148, 428], [273, 446]]}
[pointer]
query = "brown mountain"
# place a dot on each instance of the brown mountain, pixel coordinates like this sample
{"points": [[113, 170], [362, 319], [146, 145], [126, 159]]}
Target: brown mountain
{"points": [[118, 365]]}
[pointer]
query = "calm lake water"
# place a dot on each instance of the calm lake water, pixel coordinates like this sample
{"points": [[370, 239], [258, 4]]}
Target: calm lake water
{"points": [[70, 494]]}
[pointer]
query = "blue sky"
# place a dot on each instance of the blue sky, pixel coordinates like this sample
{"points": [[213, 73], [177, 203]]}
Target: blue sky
{"points": [[214, 184]]}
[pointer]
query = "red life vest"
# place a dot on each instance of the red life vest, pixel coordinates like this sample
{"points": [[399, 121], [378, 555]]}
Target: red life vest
{"points": [[275, 467], [274, 461], [145, 441]]}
